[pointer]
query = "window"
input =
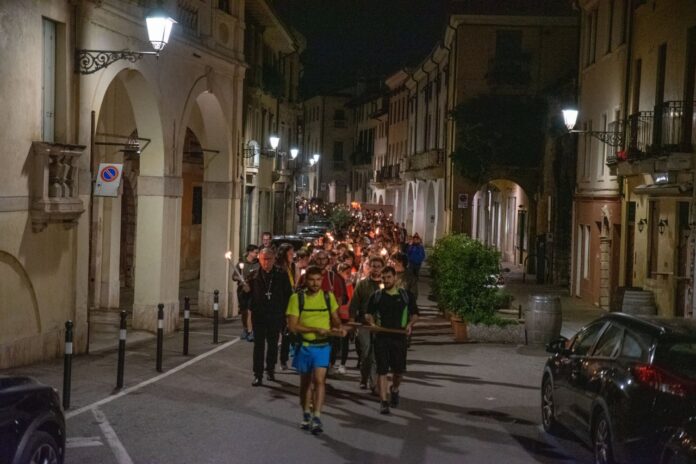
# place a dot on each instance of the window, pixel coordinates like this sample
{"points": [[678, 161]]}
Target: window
{"points": [[48, 87], [508, 44], [610, 25], [625, 15], [608, 345], [604, 147], [585, 339], [635, 346], [338, 152], [590, 37], [653, 238]]}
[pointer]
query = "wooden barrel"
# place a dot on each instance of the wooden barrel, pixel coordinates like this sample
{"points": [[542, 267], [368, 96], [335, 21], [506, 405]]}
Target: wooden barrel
{"points": [[542, 319], [639, 302]]}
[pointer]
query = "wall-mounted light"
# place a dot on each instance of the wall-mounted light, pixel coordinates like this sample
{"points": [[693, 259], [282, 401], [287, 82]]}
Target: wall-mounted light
{"points": [[159, 26], [641, 224], [612, 138], [662, 225]]}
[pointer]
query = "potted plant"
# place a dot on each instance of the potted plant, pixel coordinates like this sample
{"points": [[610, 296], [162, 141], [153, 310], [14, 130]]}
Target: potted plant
{"points": [[464, 280]]}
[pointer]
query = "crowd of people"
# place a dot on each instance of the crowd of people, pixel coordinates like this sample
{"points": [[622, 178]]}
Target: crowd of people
{"points": [[356, 286]]}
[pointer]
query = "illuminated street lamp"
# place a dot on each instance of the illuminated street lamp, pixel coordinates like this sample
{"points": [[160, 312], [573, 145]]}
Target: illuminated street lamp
{"points": [[614, 138], [274, 141], [159, 27], [294, 152]]}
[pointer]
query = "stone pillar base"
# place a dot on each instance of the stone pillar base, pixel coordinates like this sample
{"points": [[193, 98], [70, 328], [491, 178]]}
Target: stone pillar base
{"points": [[145, 317]]}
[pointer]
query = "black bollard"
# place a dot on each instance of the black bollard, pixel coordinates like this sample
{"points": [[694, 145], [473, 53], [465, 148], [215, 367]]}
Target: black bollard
{"points": [[67, 364], [216, 321], [121, 351], [187, 317], [160, 335]]}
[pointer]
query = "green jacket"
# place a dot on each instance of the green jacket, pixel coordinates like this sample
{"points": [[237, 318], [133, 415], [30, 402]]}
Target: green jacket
{"points": [[361, 296]]}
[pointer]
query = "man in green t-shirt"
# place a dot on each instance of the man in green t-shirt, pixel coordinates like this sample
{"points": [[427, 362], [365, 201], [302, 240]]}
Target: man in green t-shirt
{"points": [[313, 315]]}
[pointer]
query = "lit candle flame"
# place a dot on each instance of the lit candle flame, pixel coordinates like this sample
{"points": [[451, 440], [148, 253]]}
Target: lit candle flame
{"points": [[377, 231], [241, 266], [381, 286], [384, 252], [302, 272], [228, 255]]}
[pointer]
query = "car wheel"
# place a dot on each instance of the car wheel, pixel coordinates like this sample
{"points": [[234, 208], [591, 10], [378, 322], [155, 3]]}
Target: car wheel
{"points": [[601, 441], [548, 406], [41, 449]]}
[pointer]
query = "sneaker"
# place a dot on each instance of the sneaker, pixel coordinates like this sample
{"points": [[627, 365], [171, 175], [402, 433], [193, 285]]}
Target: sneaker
{"points": [[363, 385], [250, 337], [394, 399], [245, 334], [317, 428], [342, 369], [384, 407], [284, 366], [258, 381], [306, 420]]}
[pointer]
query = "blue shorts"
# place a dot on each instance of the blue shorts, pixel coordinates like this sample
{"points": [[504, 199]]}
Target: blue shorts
{"points": [[308, 358]]}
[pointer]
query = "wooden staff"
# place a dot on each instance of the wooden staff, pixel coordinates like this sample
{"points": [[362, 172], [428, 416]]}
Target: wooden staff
{"points": [[375, 328]]}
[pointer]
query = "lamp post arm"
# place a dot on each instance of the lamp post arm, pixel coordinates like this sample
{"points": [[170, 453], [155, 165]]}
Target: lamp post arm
{"points": [[91, 61]]}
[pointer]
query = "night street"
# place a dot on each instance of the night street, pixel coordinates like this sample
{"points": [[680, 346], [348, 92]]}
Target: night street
{"points": [[460, 403]]}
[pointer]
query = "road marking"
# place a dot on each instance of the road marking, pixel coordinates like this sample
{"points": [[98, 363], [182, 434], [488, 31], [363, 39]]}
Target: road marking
{"points": [[83, 442], [209, 334], [122, 456], [145, 383]]}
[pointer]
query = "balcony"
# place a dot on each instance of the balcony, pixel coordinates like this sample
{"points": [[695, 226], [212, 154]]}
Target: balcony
{"points": [[425, 165], [387, 175]]}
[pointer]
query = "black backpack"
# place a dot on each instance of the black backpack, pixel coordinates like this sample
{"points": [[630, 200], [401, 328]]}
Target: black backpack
{"points": [[402, 292]]}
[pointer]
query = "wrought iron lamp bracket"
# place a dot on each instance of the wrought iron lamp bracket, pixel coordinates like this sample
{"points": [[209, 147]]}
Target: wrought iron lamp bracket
{"points": [[611, 138], [91, 61]]}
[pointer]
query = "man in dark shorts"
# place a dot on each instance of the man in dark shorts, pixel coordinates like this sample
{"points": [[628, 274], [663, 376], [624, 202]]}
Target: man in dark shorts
{"points": [[394, 309]]}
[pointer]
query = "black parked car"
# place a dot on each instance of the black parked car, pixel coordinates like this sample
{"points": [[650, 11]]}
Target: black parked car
{"points": [[623, 384], [32, 425]]}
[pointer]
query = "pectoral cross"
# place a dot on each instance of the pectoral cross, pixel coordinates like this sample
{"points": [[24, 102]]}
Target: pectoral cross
{"points": [[268, 295]]}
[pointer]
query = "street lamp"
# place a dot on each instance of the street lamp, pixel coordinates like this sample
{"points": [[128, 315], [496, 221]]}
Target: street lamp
{"points": [[274, 141], [294, 152], [159, 27], [315, 158], [612, 138]]}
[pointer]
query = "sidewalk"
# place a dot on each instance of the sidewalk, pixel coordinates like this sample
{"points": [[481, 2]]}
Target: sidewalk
{"points": [[576, 313]]}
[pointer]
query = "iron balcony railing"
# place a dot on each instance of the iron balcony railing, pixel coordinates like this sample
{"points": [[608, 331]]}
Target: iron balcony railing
{"points": [[676, 130], [640, 134], [388, 173]]}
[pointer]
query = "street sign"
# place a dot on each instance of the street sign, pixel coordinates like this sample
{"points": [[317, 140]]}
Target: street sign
{"points": [[463, 200], [108, 180]]}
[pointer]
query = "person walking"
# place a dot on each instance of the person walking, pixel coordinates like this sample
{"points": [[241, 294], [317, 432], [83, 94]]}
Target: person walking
{"points": [[342, 345], [391, 308], [416, 255], [269, 289], [246, 266], [312, 314], [285, 262], [358, 308], [404, 277]]}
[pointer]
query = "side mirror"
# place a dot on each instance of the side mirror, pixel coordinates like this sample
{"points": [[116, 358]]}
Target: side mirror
{"points": [[557, 346]]}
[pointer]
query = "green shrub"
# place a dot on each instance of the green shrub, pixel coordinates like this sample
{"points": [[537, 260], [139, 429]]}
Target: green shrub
{"points": [[462, 268]]}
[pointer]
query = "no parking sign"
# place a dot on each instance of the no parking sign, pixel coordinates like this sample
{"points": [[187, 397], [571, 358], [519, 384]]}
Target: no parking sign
{"points": [[108, 180]]}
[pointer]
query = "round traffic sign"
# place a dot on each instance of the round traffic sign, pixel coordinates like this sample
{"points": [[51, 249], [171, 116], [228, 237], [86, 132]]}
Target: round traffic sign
{"points": [[109, 173]]}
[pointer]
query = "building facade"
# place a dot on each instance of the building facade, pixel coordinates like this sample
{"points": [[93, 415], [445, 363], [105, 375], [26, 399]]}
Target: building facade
{"points": [[170, 124]]}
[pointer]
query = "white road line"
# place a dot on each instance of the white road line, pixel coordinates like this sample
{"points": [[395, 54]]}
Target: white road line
{"points": [[122, 456], [83, 442], [124, 392]]}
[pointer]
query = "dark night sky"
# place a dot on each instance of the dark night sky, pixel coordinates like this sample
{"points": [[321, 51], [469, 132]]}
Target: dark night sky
{"points": [[347, 39]]}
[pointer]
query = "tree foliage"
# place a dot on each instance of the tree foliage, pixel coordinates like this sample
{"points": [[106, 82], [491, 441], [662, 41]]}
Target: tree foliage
{"points": [[498, 130]]}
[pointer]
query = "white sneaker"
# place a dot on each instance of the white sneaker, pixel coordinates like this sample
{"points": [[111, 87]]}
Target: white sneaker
{"points": [[342, 369]]}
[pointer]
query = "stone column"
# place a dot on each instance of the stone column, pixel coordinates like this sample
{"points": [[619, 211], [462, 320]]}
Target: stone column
{"points": [[157, 252]]}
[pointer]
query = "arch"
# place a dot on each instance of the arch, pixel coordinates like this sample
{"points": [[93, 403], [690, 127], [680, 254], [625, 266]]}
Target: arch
{"points": [[431, 215], [410, 207], [22, 280], [504, 219], [420, 212]]}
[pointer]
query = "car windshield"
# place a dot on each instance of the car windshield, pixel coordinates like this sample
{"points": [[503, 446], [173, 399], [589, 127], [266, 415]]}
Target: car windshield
{"points": [[678, 357]]}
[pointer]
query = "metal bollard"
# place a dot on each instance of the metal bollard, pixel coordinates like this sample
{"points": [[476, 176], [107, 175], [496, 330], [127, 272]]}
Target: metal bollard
{"points": [[160, 335], [187, 317], [67, 364], [519, 312], [216, 320], [121, 351]]}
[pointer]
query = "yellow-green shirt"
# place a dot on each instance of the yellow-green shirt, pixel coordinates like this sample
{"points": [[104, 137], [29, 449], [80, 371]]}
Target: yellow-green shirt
{"points": [[312, 314]]}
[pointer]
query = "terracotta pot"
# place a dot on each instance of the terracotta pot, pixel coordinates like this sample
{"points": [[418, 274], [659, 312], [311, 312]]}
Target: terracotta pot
{"points": [[459, 328]]}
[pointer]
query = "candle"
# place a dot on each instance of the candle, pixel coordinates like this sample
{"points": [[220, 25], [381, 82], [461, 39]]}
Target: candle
{"points": [[241, 266], [228, 255], [302, 272], [381, 286]]}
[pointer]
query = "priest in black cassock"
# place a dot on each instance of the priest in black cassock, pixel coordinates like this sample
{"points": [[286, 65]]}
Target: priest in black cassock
{"points": [[270, 290]]}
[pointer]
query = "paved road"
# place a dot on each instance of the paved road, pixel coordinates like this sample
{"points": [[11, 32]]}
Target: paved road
{"points": [[471, 403]]}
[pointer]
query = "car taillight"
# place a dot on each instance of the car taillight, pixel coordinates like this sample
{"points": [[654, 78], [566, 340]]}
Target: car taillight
{"points": [[661, 380]]}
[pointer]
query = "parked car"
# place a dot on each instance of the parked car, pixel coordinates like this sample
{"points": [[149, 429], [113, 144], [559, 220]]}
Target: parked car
{"points": [[681, 446], [296, 241], [32, 424], [312, 232], [623, 384]]}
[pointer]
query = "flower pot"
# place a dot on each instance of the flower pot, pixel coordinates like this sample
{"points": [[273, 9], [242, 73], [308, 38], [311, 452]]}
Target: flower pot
{"points": [[459, 328]]}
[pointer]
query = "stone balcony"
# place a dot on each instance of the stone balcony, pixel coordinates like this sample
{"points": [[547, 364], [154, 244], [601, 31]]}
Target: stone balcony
{"points": [[428, 165]]}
